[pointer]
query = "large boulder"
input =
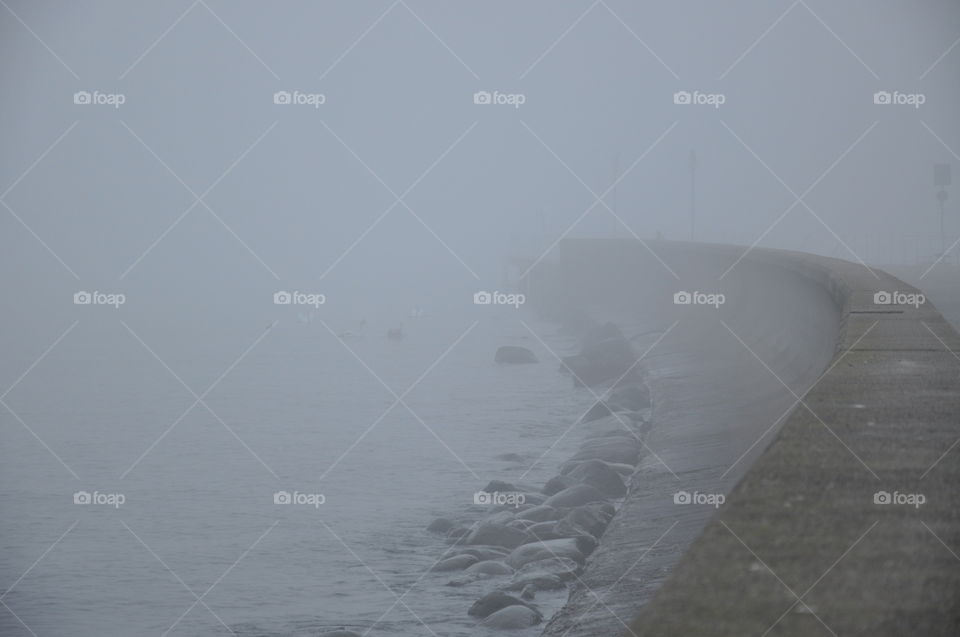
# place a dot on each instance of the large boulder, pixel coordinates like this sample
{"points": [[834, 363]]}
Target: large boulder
{"points": [[575, 549], [513, 618], [541, 513], [455, 563], [605, 354], [557, 484], [575, 496], [544, 575], [492, 602], [490, 567], [601, 476], [612, 449], [484, 553], [515, 355], [442, 526], [591, 519], [496, 534]]}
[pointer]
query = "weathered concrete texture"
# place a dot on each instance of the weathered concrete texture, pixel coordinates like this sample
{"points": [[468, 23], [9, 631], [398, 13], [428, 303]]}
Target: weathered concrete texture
{"points": [[801, 547]]}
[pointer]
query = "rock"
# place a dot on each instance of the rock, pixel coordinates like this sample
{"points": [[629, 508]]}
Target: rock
{"points": [[612, 450], [562, 567], [510, 457], [622, 469], [484, 553], [534, 499], [604, 355], [514, 617], [490, 567], [515, 355], [598, 411], [575, 496], [521, 524], [586, 520], [536, 582], [528, 593], [493, 602], [565, 547], [557, 484], [455, 563], [340, 633], [441, 525], [631, 397], [498, 535], [458, 534], [499, 486], [544, 531], [541, 513], [599, 475]]}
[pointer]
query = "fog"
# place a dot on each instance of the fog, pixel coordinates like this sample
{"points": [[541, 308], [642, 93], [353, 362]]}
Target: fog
{"points": [[197, 193]]}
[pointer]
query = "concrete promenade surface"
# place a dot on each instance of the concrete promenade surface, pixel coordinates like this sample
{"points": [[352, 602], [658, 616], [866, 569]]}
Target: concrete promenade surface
{"points": [[803, 402], [804, 545]]}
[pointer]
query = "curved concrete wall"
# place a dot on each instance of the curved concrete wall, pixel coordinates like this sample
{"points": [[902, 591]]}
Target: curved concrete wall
{"points": [[858, 398]]}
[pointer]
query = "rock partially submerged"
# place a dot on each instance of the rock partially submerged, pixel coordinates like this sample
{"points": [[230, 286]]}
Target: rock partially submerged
{"points": [[605, 354], [575, 496], [514, 617], [515, 355], [493, 602]]}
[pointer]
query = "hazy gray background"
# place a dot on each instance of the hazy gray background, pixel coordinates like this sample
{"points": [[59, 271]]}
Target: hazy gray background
{"points": [[399, 99], [92, 201]]}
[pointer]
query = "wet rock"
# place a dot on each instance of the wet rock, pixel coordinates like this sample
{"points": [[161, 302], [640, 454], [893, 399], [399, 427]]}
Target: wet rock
{"points": [[604, 355], [493, 602], [515, 355], [495, 486], [566, 547], [541, 513], [557, 484], [442, 526], [340, 633], [599, 475], [575, 496], [544, 575], [498, 535], [528, 593], [534, 499], [483, 553], [586, 520], [612, 450], [598, 411], [521, 524], [513, 617], [545, 531], [632, 397], [490, 567], [455, 563], [510, 457]]}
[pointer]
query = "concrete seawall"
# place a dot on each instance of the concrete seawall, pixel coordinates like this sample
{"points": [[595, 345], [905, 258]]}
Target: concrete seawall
{"points": [[799, 399]]}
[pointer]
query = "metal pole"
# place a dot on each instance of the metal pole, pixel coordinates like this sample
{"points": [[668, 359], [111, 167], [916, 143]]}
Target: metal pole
{"points": [[693, 192]]}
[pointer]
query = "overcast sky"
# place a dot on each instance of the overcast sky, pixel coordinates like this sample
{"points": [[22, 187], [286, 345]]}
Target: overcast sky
{"points": [[300, 193]]}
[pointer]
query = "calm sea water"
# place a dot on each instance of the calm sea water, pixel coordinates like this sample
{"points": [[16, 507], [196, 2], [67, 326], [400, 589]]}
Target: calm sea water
{"points": [[299, 413]]}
